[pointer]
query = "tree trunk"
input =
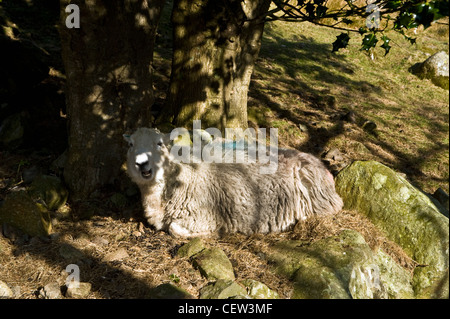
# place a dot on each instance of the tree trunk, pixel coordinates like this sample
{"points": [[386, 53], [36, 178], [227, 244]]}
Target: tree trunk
{"points": [[215, 46], [108, 65]]}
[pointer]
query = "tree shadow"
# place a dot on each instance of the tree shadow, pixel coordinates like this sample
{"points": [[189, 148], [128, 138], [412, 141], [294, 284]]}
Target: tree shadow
{"points": [[302, 69], [33, 34]]}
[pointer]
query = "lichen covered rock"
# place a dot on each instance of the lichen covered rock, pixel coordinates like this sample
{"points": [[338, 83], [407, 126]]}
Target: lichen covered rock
{"points": [[20, 211], [194, 246], [222, 289], [406, 215], [435, 68], [50, 190], [214, 264], [337, 267], [258, 290]]}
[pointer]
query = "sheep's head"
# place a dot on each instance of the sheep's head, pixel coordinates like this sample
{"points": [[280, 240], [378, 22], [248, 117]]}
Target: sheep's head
{"points": [[146, 155]]}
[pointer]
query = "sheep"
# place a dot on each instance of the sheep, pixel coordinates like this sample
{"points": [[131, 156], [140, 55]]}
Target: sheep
{"points": [[205, 199]]}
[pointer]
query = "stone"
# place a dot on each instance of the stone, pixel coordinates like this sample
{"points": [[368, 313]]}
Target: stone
{"points": [[21, 211], [214, 264], [258, 290], [5, 291], [169, 291], [70, 253], [396, 280], [100, 241], [337, 267], [406, 215], [334, 154], [222, 289], [51, 291], [303, 128], [50, 190], [369, 126], [119, 254], [78, 290], [435, 68], [194, 246], [350, 117]]}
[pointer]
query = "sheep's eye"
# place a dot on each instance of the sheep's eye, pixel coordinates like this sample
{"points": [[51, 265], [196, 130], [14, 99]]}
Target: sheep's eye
{"points": [[160, 144], [130, 144]]}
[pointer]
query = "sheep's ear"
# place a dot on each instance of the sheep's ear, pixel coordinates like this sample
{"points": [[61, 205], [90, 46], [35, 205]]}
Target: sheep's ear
{"points": [[127, 137]]}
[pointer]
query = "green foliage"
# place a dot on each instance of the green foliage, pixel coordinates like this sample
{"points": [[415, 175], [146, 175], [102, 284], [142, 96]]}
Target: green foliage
{"points": [[341, 41], [409, 14], [369, 41], [385, 44], [174, 278]]}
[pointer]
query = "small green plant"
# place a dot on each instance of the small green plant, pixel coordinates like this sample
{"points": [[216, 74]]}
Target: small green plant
{"points": [[174, 278]]}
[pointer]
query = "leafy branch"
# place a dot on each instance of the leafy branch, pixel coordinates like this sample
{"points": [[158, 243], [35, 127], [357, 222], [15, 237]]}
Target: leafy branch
{"points": [[408, 14]]}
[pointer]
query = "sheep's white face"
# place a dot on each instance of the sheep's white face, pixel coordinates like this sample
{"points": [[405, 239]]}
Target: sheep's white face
{"points": [[146, 155]]}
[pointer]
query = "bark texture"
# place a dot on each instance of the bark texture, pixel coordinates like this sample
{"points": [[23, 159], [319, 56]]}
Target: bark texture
{"points": [[216, 44], [108, 65]]}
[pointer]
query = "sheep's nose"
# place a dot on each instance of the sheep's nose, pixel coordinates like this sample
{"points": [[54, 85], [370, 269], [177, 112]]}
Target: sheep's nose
{"points": [[141, 160]]}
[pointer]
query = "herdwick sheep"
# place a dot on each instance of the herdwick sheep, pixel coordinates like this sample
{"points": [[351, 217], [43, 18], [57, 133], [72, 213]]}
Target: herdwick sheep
{"points": [[189, 200]]}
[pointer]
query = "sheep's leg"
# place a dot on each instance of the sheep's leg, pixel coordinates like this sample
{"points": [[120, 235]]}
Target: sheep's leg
{"points": [[177, 230], [155, 218]]}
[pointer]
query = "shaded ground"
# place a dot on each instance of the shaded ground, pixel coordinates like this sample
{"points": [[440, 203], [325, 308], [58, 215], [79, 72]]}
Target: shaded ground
{"points": [[124, 259]]}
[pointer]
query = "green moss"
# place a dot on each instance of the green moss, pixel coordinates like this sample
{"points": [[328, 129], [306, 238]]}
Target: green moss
{"points": [[20, 211], [222, 289], [404, 213], [214, 264]]}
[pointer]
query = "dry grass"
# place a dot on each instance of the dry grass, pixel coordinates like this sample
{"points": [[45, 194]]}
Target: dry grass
{"points": [[151, 260], [299, 82]]}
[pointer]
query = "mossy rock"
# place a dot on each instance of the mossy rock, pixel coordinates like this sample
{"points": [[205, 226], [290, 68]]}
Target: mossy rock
{"points": [[50, 190], [396, 280], [406, 215], [435, 68], [222, 289], [194, 246], [169, 291], [214, 264], [337, 267], [21, 211], [258, 290]]}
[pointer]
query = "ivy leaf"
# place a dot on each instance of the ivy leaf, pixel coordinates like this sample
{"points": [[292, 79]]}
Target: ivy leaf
{"points": [[369, 41], [405, 20], [362, 30], [341, 42], [424, 14], [385, 44]]}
